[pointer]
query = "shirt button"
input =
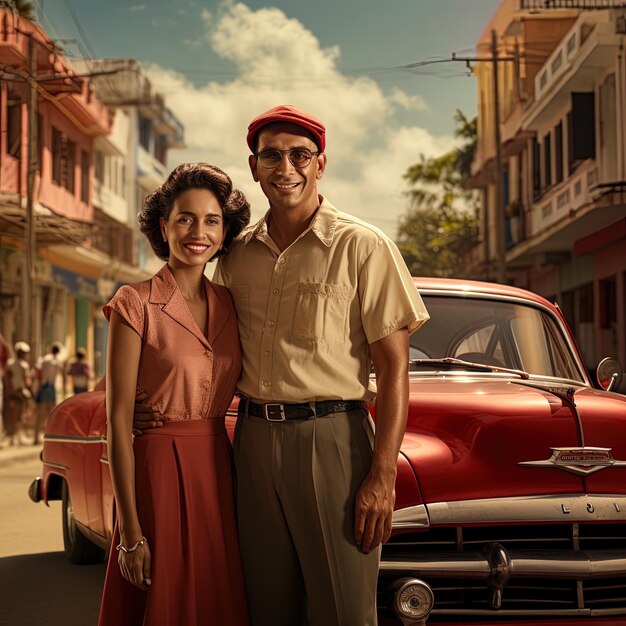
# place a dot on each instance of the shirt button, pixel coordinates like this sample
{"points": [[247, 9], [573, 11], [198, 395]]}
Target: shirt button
{"points": [[266, 354], [270, 324], [266, 383], [276, 292], [281, 260]]}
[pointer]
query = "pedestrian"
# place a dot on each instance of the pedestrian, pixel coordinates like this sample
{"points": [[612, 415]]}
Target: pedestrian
{"points": [[19, 386], [49, 369], [80, 372], [174, 337], [329, 297], [5, 355]]}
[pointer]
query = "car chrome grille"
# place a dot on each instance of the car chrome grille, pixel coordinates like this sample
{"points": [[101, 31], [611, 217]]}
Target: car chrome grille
{"points": [[536, 595]]}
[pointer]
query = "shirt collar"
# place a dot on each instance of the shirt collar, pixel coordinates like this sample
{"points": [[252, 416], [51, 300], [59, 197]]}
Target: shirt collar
{"points": [[322, 225]]}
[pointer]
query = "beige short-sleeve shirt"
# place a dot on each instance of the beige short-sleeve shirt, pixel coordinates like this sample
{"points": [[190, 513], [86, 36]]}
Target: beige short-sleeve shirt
{"points": [[308, 314]]}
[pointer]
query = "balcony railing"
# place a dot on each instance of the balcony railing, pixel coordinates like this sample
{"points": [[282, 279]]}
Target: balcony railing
{"points": [[587, 5], [571, 194]]}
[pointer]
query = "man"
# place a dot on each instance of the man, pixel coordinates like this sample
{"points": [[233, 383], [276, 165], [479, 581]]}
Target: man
{"points": [[5, 355], [19, 392], [50, 367], [320, 296]]}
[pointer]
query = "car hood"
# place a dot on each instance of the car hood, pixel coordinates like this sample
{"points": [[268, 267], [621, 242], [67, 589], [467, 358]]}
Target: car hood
{"points": [[466, 438]]}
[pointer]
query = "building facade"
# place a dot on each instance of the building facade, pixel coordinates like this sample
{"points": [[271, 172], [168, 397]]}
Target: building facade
{"points": [[96, 160], [559, 210]]}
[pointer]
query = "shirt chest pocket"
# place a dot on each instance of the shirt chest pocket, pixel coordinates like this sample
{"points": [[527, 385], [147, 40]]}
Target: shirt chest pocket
{"points": [[321, 313]]}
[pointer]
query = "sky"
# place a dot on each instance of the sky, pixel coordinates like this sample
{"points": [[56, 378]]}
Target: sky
{"points": [[219, 63]]}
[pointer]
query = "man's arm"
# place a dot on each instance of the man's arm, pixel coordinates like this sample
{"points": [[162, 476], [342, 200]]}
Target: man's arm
{"points": [[376, 496]]}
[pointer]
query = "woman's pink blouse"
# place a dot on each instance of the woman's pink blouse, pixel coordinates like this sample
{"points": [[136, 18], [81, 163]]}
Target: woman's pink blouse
{"points": [[184, 374]]}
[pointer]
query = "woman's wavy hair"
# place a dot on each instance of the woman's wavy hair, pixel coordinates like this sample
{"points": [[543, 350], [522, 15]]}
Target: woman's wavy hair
{"points": [[235, 207]]}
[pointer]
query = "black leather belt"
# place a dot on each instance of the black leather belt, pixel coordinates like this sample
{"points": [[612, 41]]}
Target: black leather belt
{"points": [[307, 410]]}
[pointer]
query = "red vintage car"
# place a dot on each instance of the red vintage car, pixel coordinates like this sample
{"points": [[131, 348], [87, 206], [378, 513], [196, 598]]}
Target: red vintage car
{"points": [[511, 488]]}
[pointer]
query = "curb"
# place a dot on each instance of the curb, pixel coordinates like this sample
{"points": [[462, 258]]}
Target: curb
{"points": [[19, 454]]}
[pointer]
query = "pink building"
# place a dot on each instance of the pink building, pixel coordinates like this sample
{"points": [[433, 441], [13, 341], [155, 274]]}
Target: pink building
{"points": [[69, 118]]}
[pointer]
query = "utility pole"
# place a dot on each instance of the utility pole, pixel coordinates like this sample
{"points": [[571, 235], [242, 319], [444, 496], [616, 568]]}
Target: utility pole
{"points": [[29, 232], [499, 208], [494, 58]]}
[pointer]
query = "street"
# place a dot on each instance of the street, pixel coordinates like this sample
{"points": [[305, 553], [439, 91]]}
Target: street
{"points": [[38, 586]]}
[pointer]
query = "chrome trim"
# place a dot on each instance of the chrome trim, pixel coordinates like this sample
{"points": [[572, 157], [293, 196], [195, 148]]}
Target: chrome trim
{"points": [[530, 612], [55, 465], [411, 600], [498, 565], [530, 509], [411, 517], [585, 460], [462, 293], [75, 439]]}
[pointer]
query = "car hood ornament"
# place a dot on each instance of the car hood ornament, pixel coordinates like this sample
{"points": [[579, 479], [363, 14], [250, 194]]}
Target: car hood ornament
{"points": [[581, 461]]}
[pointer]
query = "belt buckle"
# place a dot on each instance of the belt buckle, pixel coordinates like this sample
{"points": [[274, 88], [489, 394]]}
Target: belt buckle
{"points": [[272, 410]]}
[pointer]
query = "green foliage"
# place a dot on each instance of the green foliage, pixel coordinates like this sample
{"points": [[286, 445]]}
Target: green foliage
{"points": [[23, 8], [440, 226]]}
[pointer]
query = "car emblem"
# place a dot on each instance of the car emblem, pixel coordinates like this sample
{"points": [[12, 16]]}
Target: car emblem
{"points": [[582, 461]]}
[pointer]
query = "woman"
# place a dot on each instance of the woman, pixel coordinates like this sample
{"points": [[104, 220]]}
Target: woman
{"points": [[80, 372], [174, 338]]}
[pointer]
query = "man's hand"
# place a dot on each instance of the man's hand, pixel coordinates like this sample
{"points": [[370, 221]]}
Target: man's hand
{"points": [[374, 510], [376, 496], [145, 415]]}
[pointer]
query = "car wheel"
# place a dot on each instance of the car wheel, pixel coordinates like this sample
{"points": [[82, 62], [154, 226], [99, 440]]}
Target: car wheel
{"points": [[78, 549]]}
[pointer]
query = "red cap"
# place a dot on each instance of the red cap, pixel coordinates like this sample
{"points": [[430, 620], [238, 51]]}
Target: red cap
{"points": [[293, 115]]}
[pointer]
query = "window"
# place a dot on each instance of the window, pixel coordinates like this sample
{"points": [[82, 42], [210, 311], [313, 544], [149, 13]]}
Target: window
{"points": [[160, 149], [547, 160], [99, 166], [14, 131], [536, 169], [84, 176], [558, 152], [63, 160], [69, 162], [56, 155], [582, 128], [145, 132]]}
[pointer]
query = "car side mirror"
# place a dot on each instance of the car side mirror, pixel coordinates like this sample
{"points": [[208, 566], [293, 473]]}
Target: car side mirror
{"points": [[609, 373]]}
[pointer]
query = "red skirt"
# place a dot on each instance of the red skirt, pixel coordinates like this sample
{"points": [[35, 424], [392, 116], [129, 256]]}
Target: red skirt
{"points": [[184, 494]]}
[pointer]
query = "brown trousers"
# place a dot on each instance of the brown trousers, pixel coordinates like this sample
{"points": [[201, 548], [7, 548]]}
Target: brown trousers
{"points": [[296, 487]]}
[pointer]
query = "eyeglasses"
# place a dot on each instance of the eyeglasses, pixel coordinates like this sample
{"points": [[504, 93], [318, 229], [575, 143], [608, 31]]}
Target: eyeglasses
{"points": [[298, 157]]}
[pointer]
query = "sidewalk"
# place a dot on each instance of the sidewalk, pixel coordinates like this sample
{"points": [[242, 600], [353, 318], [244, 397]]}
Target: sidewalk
{"points": [[18, 454]]}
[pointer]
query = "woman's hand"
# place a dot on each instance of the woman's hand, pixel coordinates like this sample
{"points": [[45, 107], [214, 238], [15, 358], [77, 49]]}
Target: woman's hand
{"points": [[136, 565]]}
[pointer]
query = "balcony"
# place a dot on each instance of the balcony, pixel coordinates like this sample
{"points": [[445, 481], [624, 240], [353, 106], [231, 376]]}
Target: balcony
{"points": [[150, 171], [587, 5], [592, 43], [113, 238], [106, 199], [564, 198]]}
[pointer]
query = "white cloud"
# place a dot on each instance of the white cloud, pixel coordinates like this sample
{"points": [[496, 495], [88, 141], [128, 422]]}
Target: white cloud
{"points": [[279, 61]]}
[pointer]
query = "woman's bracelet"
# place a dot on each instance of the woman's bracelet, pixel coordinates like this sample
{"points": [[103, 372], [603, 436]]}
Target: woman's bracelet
{"points": [[132, 548]]}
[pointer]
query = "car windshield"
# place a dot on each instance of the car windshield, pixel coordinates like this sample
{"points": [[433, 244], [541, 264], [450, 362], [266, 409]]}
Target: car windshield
{"points": [[495, 333]]}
